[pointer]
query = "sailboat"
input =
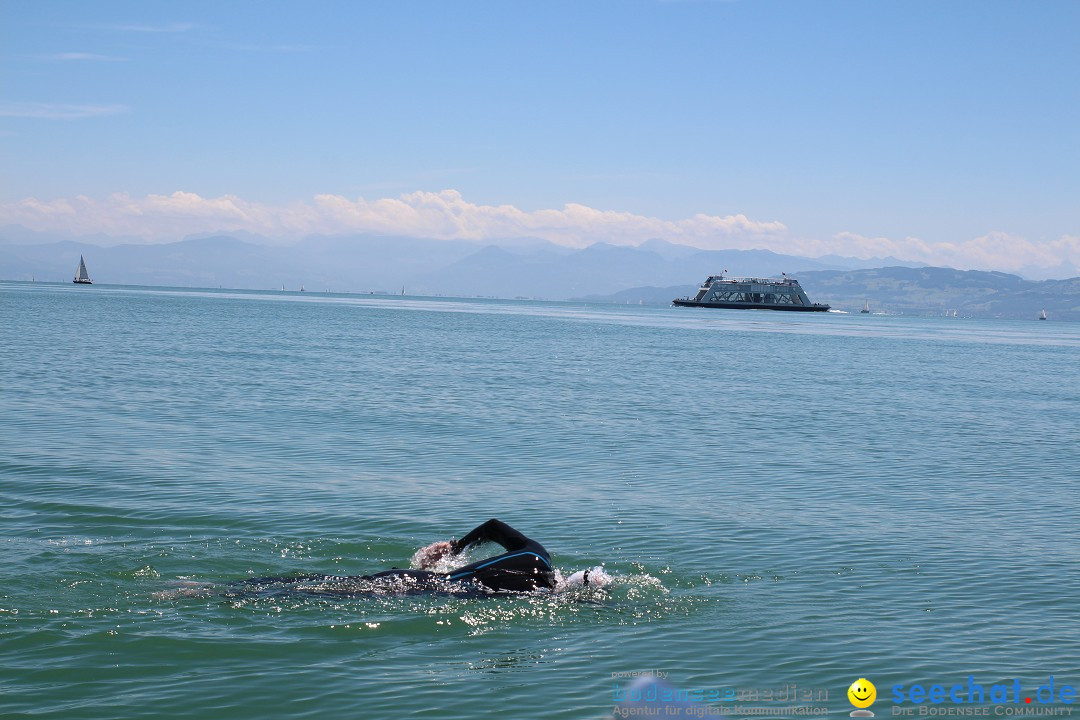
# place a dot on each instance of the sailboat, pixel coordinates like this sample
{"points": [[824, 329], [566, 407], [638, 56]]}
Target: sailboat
{"points": [[1042, 314], [81, 276], [866, 307]]}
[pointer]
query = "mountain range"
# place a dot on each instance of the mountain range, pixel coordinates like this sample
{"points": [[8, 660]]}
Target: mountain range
{"points": [[519, 267], [654, 272]]}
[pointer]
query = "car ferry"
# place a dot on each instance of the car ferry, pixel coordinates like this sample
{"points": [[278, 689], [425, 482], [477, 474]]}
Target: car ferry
{"points": [[751, 294]]}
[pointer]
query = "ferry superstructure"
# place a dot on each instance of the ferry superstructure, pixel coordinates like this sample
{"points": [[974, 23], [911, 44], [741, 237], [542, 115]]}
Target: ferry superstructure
{"points": [[748, 293]]}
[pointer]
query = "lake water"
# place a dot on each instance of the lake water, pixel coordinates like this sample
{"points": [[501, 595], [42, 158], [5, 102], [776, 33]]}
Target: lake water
{"points": [[783, 498]]}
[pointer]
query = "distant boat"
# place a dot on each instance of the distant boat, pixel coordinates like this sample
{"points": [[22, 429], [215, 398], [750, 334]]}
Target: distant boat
{"points": [[301, 288], [954, 313], [1042, 314], [81, 276], [866, 307], [402, 289]]}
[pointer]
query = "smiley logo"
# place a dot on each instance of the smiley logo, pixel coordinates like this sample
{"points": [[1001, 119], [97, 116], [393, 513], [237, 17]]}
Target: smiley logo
{"points": [[862, 694]]}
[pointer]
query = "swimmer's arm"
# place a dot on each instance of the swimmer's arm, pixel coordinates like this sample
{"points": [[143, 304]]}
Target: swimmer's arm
{"points": [[495, 531]]}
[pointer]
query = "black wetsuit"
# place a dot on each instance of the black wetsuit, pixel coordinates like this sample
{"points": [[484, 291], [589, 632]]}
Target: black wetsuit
{"points": [[524, 567]]}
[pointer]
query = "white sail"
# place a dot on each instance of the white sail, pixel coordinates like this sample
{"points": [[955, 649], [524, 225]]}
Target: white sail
{"points": [[81, 276]]}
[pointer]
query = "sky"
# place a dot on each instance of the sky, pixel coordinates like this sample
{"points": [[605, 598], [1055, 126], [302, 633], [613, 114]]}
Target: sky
{"points": [[930, 130]]}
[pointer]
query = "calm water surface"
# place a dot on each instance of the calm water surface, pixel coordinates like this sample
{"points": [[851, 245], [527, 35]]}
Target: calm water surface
{"points": [[784, 500]]}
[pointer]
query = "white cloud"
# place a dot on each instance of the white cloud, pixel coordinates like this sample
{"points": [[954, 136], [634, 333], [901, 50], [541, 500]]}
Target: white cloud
{"points": [[447, 215], [68, 56], [53, 111], [993, 251], [177, 27], [268, 48]]}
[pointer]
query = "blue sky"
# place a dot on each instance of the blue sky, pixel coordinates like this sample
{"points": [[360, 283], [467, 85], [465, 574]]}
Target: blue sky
{"points": [[946, 131]]}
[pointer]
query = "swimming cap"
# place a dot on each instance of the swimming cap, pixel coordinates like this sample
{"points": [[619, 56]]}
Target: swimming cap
{"points": [[594, 577]]}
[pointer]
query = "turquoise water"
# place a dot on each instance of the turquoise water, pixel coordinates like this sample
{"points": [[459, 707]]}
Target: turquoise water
{"points": [[783, 499]]}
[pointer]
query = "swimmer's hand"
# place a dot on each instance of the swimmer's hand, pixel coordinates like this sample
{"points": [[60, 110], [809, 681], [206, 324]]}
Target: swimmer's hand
{"points": [[428, 557]]}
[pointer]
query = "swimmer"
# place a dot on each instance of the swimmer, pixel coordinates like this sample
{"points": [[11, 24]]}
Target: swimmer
{"points": [[525, 567]]}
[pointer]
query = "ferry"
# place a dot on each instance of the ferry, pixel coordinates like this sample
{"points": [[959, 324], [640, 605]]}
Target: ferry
{"points": [[751, 294]]}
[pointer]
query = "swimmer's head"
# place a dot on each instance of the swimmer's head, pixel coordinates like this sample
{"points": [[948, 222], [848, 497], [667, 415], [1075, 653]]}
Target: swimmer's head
{"points": [[594, 577]]}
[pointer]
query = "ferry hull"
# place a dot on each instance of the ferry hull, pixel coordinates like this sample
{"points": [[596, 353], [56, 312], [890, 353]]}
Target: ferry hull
{"points": [[751, 306]]}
